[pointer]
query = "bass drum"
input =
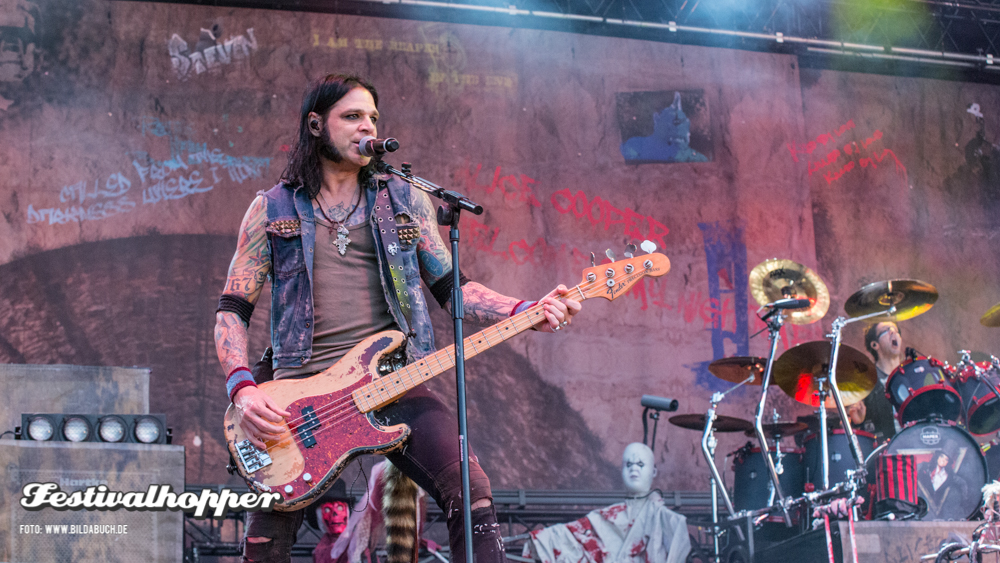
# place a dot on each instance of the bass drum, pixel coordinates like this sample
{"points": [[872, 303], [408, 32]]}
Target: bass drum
{"points": [[951, 467]]}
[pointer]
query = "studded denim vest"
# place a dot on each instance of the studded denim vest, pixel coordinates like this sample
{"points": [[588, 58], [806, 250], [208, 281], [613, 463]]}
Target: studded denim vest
{"points": [[291, 238]]}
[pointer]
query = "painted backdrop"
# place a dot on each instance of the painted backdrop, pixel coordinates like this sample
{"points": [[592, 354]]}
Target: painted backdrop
{"points": [[135, 135]]}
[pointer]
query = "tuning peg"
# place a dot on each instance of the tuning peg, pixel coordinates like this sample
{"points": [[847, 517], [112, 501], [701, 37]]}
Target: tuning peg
{"points": [[593, 259], [630, 251], [648, 247], [610, 254]]}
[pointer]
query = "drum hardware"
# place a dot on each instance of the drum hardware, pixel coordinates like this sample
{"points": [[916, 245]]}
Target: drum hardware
{"points": [[739, 369], [708, 444], [907, 298]]}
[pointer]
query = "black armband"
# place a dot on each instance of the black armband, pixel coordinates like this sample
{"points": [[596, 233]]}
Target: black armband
{"points": [[441, 290], [236, 304]]}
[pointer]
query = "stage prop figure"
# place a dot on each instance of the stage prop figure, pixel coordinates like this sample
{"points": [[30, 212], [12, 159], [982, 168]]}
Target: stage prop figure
{"points": [[641, 529]]}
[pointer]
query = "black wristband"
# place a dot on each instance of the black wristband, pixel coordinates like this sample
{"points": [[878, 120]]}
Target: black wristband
{"points": [[441, 290], [236, 304]]}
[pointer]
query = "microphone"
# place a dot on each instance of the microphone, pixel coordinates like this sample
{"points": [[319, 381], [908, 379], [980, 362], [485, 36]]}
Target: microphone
{"points": [[787, 303], [370, 146], [790, 303], [659, 403]]}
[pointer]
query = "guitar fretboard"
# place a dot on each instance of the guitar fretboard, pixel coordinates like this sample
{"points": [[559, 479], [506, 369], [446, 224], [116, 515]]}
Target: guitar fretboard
{"points": [[388, 388]]}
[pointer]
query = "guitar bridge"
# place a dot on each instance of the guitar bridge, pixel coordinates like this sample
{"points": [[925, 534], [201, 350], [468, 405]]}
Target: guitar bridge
{"points": [[252, 459]]}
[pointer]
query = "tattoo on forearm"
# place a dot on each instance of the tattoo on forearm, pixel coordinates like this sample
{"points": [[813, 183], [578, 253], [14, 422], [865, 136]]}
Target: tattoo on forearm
{"points": [[484, 306], [230, 340]]}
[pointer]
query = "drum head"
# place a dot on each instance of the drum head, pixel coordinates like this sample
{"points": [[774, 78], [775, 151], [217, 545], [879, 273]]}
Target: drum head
{"points": [[951, 468]]}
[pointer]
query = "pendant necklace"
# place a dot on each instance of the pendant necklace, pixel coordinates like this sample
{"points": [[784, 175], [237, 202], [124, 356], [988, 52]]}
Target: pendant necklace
{"points": [[342, 232]]}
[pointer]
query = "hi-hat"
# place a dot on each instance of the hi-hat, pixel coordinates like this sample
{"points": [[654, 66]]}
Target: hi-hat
{"points": [[911, 298], [799, 370], [738, 368], [781, 429], [992, 317], [776, 279], [721, 424]]}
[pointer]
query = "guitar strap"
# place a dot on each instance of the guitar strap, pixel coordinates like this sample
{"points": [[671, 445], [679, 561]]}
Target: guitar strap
{"points": [[390, 232]]}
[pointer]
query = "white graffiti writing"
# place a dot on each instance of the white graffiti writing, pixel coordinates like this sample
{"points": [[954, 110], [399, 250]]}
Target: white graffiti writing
{"points": [[208, 54], [76, 213], [177, 187], [240, 168], [114, 186]]}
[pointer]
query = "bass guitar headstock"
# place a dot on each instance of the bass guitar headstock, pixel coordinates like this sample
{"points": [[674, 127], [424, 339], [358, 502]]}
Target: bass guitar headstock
{"points": [[612, 280]]}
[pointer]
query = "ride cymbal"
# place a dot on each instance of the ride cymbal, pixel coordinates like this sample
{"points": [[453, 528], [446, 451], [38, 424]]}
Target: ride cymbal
{"points": [[779, 279], [738, 368], [722, 423], [782, 429], [799, 369], [911, 298], [992, 317]]}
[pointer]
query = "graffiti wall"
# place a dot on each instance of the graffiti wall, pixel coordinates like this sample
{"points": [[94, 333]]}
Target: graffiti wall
{"points": [[136, 134]]}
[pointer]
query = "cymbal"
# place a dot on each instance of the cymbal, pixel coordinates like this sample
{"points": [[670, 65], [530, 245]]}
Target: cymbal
{"points": [[778, 279], [911, 298], [797, 370], [738, 368], [722, 423], [783, 429], [992, 317]]}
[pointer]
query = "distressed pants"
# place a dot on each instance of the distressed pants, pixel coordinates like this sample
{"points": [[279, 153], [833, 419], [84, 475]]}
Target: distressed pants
{"points": [[431, 458]]}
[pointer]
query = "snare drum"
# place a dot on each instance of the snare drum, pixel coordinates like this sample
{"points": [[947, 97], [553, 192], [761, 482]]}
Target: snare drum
{"points": [[752, 484], [951, 467], [841, 458], [920, 389], [982, 409]]}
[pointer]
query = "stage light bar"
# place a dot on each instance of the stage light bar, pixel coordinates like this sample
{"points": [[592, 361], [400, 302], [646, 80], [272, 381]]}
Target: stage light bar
{"points": [[124, 428]]}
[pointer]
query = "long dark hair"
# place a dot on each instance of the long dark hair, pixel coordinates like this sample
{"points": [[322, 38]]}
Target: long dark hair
{"points": [[304, 166]]}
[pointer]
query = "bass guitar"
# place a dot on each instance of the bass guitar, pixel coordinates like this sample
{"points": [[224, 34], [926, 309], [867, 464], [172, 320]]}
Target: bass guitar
{"points": [[333, 418]]}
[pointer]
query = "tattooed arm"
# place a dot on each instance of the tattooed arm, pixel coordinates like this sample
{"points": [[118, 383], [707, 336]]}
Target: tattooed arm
{"points": [[247, 275], [483, 306]]}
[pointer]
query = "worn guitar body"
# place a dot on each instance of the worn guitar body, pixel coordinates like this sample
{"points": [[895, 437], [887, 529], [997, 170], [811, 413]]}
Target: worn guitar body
{"points": [[331, 421], [338, 434]]}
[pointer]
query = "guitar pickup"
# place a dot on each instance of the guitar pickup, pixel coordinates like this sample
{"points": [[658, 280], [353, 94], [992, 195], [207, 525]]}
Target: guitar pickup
{"points": [[305, 430], [252, 459]]}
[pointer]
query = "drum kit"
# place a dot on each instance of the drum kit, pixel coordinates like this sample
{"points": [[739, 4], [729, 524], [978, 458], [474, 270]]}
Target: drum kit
{"points": [[938, 407]]}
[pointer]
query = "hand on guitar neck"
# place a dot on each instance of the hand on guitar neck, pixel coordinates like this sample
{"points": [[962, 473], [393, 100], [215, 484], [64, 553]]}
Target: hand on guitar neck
{"points": [[559, 309]]}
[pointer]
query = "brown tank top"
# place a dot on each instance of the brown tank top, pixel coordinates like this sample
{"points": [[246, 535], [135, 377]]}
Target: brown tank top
{"points": [[348, 301]]}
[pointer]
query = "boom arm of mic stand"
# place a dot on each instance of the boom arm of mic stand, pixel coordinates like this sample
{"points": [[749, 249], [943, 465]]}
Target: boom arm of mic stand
{"points": [[448, 196]]}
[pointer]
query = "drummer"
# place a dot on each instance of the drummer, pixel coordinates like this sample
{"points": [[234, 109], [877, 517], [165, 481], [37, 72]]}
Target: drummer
{"points": [[875, 413]]}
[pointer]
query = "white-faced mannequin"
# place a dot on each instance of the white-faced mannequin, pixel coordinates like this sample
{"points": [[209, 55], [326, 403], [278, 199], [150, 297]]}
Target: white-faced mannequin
{"points": [[638, 469]]}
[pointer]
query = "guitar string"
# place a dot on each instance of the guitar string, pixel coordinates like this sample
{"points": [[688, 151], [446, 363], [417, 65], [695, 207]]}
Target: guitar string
{"points": [[331, 420], [345, 408]]}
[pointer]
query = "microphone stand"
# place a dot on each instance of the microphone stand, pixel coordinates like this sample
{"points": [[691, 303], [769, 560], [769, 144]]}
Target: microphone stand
{"points": [[449, 214]]}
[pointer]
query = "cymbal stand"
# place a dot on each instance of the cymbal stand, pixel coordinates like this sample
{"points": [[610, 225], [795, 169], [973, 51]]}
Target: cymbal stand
{"points": [[708, 443], [835, 335], [824, 433], [774, 319]]}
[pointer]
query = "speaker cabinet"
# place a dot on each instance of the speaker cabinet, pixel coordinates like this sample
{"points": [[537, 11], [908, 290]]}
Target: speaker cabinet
{"points": [[127, 536]]}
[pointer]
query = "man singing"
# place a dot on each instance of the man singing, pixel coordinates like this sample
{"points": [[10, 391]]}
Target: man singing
{"points": [[335, 281]]}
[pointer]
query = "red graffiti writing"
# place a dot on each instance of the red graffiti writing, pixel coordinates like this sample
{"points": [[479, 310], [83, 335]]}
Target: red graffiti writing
{"points": [[485, 239], [513, 187], [858, 154], [821, 139], [601, 212], [696, 306]]}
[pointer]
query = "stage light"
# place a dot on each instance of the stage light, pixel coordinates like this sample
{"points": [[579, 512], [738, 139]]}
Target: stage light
{"points": [[76, 429], [111, 429], [147, 430], [40, 428], [122, 428]]}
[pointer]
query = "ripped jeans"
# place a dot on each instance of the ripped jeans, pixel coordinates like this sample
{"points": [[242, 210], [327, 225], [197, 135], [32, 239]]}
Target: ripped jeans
{"points": [[431, 457]]}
